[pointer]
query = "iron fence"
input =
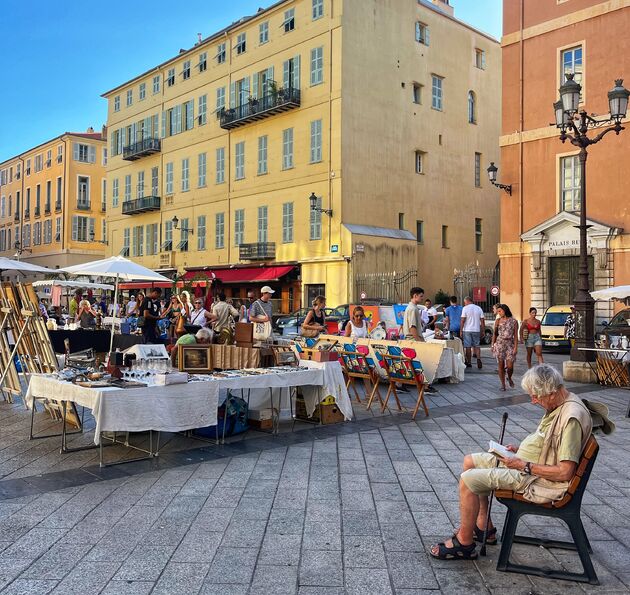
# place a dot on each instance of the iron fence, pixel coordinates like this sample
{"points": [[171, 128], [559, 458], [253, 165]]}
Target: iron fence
{"points": [[392, 286]]}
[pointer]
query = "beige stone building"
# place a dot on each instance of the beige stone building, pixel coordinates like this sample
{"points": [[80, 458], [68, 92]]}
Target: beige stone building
{"points": [[385, 111], [53, 200]]}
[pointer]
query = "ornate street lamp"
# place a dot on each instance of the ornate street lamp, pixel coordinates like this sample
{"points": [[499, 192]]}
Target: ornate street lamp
{"points": [[313, 200], [574, 127], [175, 222], [492, 176]]}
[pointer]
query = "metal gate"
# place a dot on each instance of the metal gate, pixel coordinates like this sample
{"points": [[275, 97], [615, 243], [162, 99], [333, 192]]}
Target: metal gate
{"points": [[476, 282], [391, 286]]}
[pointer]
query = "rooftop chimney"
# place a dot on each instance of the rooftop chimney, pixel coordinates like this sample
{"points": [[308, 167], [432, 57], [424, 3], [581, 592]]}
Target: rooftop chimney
{"points": [[198, 37], [90, 130]]}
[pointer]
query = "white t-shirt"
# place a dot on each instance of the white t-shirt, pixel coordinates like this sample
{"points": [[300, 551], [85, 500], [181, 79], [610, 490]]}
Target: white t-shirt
{"points": [[359, 332], [131, 306], [473, 314], [424, 315]]}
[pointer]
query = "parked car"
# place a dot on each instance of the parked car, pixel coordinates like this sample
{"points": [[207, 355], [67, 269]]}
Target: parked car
{"points": [[291, 324], [342, 313], [552, 326], [619, 325]]}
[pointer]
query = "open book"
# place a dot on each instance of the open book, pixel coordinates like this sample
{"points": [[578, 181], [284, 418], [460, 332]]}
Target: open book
{"points": [[499, 450]]}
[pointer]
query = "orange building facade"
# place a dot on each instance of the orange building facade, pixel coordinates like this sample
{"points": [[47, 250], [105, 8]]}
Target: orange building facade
{"points": [[539, 243]]}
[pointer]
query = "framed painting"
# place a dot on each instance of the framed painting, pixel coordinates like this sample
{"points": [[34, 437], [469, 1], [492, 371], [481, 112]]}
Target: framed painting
{"points": [[196, 359]]}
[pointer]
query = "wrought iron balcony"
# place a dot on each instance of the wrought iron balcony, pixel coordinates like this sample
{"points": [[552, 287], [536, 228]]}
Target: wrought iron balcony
{"points": [[141, 205], [142, 148], [257, 109], [83, 205], [258, 251]]}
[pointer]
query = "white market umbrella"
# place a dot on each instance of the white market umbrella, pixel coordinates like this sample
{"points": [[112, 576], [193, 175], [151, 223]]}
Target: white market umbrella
{"points": [[621, 292], [73, 284], [6, 264], [119, 268]]}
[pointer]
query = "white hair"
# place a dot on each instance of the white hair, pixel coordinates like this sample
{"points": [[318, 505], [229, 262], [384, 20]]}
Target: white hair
{"points": [[203, 334], [542, 380]]}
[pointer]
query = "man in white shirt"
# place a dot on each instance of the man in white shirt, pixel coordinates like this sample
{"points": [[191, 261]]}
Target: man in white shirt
{"points": [[472, 327], [412, 321], [431, 314], [131, 305]]}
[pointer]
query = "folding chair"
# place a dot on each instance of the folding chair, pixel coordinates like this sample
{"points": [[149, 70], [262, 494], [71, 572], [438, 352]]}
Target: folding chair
{"points": [[355, 365], [405, 370]]}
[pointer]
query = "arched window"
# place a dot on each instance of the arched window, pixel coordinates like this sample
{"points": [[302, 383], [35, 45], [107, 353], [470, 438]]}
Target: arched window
{"points": [[472, 108]]}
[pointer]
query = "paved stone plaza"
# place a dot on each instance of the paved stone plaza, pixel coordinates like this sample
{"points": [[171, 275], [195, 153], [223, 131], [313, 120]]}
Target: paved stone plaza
{"points": [[350, 508]]}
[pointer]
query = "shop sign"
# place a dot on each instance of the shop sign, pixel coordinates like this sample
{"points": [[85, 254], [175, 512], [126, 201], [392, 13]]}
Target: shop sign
{"points": [[479, 294]]}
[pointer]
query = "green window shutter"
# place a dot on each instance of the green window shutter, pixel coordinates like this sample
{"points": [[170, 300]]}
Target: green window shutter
{"points": [[232, 95], [296, 72], [75, 151], [91, 154], [426, 35], [255, 86], [163, 124], [75, 227], [91, 230], [286, 66]]}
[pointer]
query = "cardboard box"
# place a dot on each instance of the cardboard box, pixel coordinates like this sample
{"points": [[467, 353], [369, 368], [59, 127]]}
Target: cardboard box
{"points": [[330, 413], [319, 356], [261, 424], [244, 332]]}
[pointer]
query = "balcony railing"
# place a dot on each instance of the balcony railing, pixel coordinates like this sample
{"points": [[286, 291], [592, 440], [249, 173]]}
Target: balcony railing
{"points": [[258, 251], [263, 107], [142, 148], [83, 206], [141, 205]]}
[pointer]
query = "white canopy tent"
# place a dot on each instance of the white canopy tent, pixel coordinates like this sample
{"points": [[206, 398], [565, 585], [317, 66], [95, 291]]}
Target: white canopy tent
{"points": [[118, 268], [6, 264], [621, 292], [73, 284]]}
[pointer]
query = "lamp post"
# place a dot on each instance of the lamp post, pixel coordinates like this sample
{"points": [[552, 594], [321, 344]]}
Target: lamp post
{"points": [[175, 222], [313, 200], [492, 176], [20, 249], [574, 126]]}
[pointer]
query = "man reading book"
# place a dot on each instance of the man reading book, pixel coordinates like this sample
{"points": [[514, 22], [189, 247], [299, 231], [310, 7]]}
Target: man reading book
{"points": [[540, 470]]}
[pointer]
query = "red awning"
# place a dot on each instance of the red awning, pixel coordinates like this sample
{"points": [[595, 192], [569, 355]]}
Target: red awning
{"points": [[145, 284], [243, 274]]}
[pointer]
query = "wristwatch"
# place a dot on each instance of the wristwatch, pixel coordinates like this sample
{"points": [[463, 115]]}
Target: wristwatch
{"points": [[527, 469]]}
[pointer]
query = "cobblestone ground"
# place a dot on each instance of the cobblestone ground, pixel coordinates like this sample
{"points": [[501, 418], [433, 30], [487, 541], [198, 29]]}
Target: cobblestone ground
{"points": [[326, 510]]}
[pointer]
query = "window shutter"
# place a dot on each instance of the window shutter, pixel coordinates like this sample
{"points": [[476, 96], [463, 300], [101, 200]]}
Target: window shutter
{"points": [[296, 72], [232, 95], [75, 227], [269, 77], [285, 73], [91, 230], [255, 86], [417, 31], [483, 60], [91, 154], [163, 125], [246, 87], [75, 151], [120, 141], [191, 112], [112, 144], [426, 35], [134, 134]]}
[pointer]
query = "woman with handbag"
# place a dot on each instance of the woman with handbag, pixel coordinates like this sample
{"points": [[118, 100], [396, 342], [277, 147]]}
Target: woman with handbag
{"points": [[184, 314], [315, 321]]}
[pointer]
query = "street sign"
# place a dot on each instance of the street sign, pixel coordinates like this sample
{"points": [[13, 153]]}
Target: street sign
{"points": [[363, 295], [494, 291], [334, 248]]}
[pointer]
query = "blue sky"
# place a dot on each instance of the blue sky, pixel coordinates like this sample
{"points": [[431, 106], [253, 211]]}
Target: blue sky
{"points": [[59, 57]]}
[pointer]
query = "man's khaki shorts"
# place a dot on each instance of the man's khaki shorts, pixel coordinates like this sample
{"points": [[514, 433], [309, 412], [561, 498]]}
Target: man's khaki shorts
{"points": [[486, 476]]}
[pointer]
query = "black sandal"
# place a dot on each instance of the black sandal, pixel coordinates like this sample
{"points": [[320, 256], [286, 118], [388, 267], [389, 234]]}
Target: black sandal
{"points": [[491, 538], [457, 552]]}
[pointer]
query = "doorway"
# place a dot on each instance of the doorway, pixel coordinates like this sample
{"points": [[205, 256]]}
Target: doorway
{"points": [[563, 278]]}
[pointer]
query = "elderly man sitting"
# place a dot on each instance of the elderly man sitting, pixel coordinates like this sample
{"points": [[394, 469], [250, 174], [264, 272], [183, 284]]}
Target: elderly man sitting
{"points": [[541, 470], [203, 335]]}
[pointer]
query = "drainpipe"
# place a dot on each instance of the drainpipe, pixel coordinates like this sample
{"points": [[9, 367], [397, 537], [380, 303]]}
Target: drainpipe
{"points": [[520, 151]]}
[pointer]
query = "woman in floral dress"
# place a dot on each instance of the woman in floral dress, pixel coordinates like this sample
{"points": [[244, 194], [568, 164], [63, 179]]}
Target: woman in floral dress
{"points": [[505, 343]]}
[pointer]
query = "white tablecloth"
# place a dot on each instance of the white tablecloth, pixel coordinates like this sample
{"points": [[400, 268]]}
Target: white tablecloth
{"points": [[180, 407]]}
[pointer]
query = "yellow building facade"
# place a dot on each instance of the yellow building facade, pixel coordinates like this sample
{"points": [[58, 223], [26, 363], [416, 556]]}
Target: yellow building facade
{"points": [[218, 155], [53, 200]]}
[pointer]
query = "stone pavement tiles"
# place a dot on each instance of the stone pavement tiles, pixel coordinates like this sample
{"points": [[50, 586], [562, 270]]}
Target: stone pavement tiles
{"points": [[350, 513]]}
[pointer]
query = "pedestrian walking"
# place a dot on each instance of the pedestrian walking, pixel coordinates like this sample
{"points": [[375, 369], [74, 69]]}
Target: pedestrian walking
{"points": [[472, 328], [505, 343], [150, 311], [569, 327], [412, 321], [530, 335], [453, 316]]}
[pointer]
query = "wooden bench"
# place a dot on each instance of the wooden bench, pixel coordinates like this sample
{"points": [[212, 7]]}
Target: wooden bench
{"points": [[566, 509]]}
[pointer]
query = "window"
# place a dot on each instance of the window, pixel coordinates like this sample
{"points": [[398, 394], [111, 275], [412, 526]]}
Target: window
{"points": [[436, 92], [478, 235], [28, 167], [82, 228], [167, 244], [104, 157], [48, 196], [38, 199], [27, 206], [151, 233], [156, 84], [220, 168], [220, 53], [203, 61], [103, 195], [155, 172], [401, 221], [444, 236], [239, 226], [48, 231], [26, 235], [185, 172], [318, 9], [239, 160], [57, 229], [262, 224], [201, 170], [37, 233], [420, 232], [287, 148], [571, 63], [142, 91], [422, 33], [263, 32], [172, 120], [472, 108], [289, 20], [48, 162], [117, 103], [291, 73], [170, 77], [316, 141], [317, 66], [127, 188], [39, 163], [219, 231], [138, 241], [183, 235], [220, 98], [262, 155], [189, 108], [83, 192], [287, 222], [570, 174], [241, 43], [115, 191], [203, 108], [186, 70], [417, 93], [126, 242], [477, 170], [419, 162], [480, 59], [83, 153], [316, 221], [201, 232], [140, 185], [169, 178], [3, 206], [58, 199], [129, 97]]}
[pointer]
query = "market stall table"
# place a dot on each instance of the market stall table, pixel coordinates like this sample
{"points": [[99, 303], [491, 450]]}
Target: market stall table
{"points": [[612, 367], [98, 340]]}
